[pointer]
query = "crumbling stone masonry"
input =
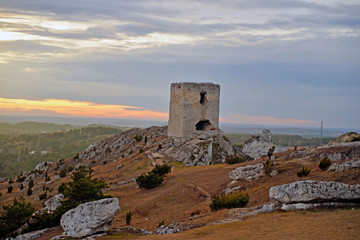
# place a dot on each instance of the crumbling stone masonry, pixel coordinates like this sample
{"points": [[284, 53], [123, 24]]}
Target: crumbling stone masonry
{"points": [[194, 109]]}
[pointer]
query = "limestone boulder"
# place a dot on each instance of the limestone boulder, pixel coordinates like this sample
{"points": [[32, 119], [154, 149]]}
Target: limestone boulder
{"points": [[347, 137], [53, 203], [339, 167], [205, 149], [90, 218], [248, 173], [310, 191], [258, 146]]}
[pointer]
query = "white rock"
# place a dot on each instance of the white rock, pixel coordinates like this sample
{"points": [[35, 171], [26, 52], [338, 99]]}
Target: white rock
{"points": [[339, 167], [31, 235], [248, 173], [90, 218], [53, 203], [312, 191], [258, 146]]}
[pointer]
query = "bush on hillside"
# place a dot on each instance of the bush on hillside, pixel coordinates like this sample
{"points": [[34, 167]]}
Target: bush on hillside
{"points": [[161, 170], [268, 167], [234, 160], [231, 200], [325, 164], [81, 189], [15, 215], [149, 180], [29, 191], [128, 218], [10, 188], [43, 196], [138, 138], [303, 172], [31, 183]]}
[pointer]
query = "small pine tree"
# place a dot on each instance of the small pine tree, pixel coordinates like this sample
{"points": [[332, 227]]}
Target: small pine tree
{"points": [[128, 218], [21, 186], [10, 188], [15, 215], [29, 191], [31, 183]]}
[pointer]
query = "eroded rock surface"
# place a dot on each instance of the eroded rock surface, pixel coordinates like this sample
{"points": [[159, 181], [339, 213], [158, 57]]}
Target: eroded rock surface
{"points": [[339, 167], [258, 146], [206, 149], [248, 173], [347, 137], [90, 218], [314, 192], [53, 203]]}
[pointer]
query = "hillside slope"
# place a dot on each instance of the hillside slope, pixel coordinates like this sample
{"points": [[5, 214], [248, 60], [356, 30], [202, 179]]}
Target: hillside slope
{"points": [[186, 193]]}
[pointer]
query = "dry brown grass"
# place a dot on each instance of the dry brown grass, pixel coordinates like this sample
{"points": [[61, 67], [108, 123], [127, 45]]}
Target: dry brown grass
{"points": [[324, 224], [187, 189]]}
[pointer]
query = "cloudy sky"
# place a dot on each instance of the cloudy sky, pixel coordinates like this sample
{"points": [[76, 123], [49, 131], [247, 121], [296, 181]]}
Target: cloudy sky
{"points": [[279, 62]]}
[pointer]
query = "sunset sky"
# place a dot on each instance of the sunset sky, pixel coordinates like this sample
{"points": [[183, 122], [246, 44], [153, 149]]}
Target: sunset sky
{"points": [[278, 62]]}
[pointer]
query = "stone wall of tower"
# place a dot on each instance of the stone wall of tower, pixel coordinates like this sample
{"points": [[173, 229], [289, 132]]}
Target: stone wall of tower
{"points": [[194, 109]]}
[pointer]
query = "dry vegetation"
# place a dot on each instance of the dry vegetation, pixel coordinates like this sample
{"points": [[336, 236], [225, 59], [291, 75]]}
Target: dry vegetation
{"points": [[189, 189]]}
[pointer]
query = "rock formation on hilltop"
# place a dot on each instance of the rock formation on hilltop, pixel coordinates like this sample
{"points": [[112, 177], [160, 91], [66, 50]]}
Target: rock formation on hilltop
{"points": [[258, 146], [346, 138]]}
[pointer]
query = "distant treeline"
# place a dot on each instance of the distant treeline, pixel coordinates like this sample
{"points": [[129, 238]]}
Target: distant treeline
{"points": [[22, 152], [283, 140]]}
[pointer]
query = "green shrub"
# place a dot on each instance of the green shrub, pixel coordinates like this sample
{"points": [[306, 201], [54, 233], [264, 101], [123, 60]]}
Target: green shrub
{"points": [[15, 215], [10, 188], [105, 162], [161, 170], [162, 223], [138, 138], [128, 218], [29, 191], [20, 178], [234, 160], [43, 196], [81, 189], [62, 173], [149, 180], [31, 183], [231, 200], [325, 164], [146, 139], [47, 179], [11, 181], [21, 186], [303, 172], [268, 167], [141, 150], [70, 168]]}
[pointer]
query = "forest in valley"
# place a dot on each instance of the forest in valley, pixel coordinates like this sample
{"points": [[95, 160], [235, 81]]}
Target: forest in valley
{"points": [[24, 145]]}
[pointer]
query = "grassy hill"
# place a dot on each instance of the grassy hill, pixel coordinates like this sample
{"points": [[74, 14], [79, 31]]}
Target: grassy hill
{"points": [[22, 152]]}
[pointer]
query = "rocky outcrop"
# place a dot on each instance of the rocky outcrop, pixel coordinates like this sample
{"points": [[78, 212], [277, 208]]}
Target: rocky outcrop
{"points": [[206, 149], [314, 192], [90, 218], [248, 173], [42, 166], [29, 236], [53, 203], [173, 227], [345, 138], [339, 167], [258, 146]]}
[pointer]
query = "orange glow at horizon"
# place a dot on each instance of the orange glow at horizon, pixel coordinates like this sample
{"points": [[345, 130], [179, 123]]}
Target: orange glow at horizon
{"points": [[80, 108]]}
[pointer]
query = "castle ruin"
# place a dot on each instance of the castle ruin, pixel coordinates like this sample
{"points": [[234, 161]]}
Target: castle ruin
{"points": [[194, 109]]}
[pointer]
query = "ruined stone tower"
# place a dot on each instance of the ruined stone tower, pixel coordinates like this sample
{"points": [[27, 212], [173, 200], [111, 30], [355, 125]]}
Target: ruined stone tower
{"points": [[194, 109]]}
